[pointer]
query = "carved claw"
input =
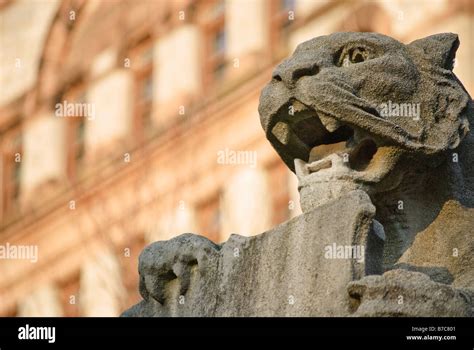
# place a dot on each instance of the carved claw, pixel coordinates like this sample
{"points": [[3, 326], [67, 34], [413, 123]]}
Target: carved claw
{"points": [[164, 261]]}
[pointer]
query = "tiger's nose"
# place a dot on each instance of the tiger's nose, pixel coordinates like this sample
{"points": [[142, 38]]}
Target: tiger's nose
{"points": [[290, 71]]}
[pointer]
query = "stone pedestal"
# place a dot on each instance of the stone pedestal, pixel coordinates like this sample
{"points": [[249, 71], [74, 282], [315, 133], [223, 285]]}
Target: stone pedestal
{"points": [[300, 268]]}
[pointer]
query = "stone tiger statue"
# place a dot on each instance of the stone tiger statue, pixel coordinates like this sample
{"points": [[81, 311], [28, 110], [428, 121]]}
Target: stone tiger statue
{"points": [[362, 111], [360, 118]]}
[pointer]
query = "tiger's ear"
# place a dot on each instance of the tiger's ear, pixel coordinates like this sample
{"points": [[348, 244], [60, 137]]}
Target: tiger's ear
{"points": [[439, 48]]}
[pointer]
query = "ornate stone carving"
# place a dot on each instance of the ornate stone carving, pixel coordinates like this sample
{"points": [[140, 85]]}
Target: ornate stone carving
{"points": [[378, 135]]}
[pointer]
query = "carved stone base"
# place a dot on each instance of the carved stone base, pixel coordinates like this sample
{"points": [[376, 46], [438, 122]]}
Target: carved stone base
{"points": [[327, 262], [300, 268]]}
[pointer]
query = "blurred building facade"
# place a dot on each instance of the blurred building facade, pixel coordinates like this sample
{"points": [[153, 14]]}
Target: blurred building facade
{"points": [[126, 122]]}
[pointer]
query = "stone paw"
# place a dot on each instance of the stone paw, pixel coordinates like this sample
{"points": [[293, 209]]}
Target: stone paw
{"points": [[164, 261]]}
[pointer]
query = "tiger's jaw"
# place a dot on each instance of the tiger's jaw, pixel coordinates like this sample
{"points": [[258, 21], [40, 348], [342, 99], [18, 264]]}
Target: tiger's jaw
{"points": [[340, 157]]}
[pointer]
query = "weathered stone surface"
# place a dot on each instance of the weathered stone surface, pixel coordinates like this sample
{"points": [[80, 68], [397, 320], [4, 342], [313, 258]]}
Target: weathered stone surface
{"points": [[404, 293], [366, 123], [363, 111], [283, 272]]}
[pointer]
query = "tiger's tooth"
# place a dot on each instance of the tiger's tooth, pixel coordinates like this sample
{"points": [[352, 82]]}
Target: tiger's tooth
{"points": [[300, 168], [329, 123], [319, 165]]}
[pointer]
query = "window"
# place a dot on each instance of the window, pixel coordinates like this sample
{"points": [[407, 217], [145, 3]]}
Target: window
{"points": [[219, 42], [141, 59], [283, 15], [11, 171], [76, 149], [216, 43], [75, 137]]}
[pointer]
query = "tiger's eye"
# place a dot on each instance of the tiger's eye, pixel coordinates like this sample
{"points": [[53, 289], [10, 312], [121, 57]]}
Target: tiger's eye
{"points": [[353, 56]]}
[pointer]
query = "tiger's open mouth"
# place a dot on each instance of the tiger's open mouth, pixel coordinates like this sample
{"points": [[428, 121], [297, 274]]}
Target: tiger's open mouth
{"points": [[330, 144]]}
